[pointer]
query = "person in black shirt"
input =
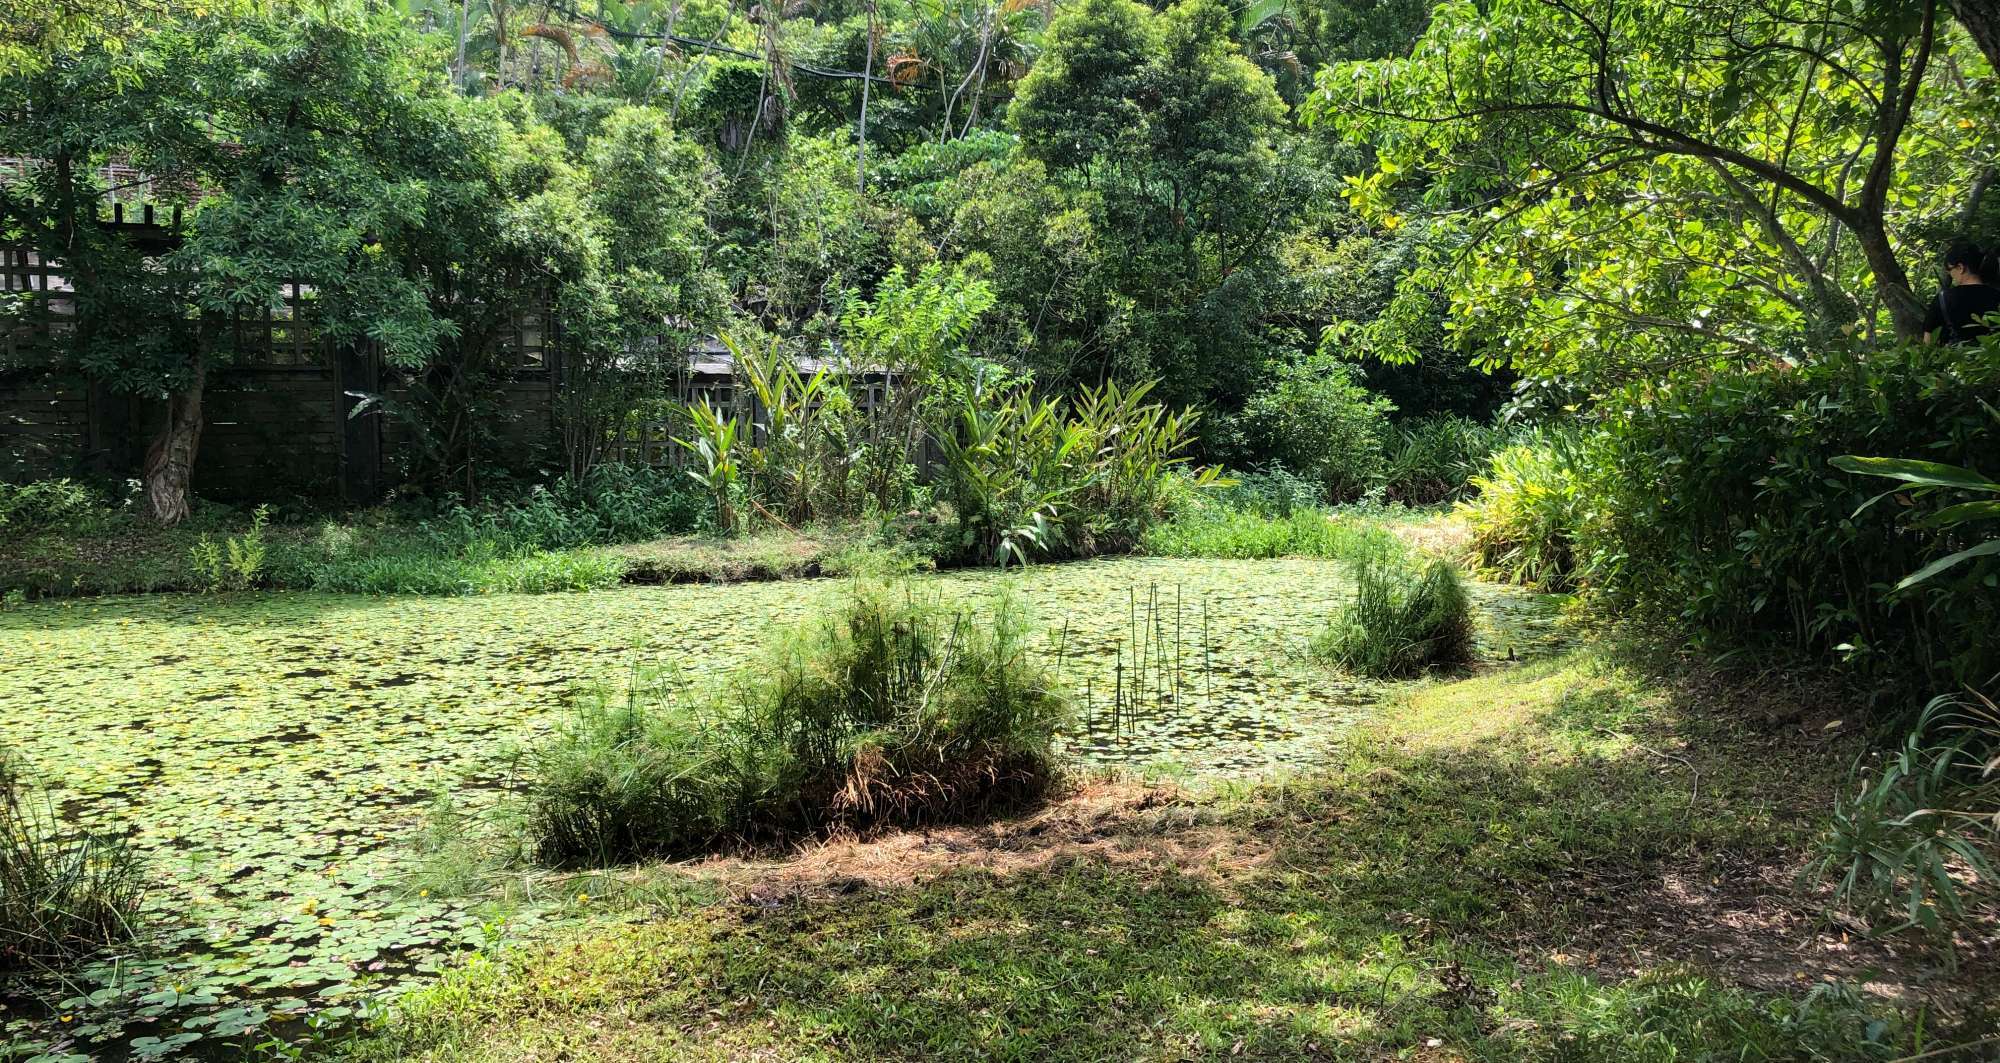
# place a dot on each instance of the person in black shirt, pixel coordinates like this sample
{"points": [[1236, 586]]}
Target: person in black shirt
{"points": [[1958, 315]]}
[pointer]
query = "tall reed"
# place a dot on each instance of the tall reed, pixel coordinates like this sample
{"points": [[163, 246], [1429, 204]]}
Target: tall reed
{"points": [[1407, 616]]}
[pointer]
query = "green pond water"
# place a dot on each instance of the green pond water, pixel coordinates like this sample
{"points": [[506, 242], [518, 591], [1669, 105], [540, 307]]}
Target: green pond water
{"points": [[273, 754]]}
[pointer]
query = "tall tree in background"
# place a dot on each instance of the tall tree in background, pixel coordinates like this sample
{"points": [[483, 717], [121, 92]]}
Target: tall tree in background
{"points": [[295, 142], [1168, 136]]}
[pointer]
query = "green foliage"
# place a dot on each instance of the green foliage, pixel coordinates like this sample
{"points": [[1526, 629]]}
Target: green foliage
{"points": [[236, 562], [1930, 475], [1030, 478], [1407, 617], [42, 505], [63, 894], [1530, 513], [1223, 529], [1269, 492], [421, 566], [1317, 419], [800, 459], [1719, 505], [1498, 121], [1161, 142], [247, 551], [1470, 807], [1903, 845], [713, 442], [890, 709], [1434, 459]]}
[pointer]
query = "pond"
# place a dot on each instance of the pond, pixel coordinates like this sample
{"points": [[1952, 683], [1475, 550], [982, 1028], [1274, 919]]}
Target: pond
{"points": [[272, 754]]}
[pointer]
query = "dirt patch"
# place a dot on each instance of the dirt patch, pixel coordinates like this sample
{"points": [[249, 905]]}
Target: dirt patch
{"points": [[1756, 926], [1120, 823]]}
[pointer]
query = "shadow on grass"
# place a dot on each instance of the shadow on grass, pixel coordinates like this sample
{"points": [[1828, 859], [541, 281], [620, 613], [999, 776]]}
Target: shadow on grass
{"points": [[1420, 896]]}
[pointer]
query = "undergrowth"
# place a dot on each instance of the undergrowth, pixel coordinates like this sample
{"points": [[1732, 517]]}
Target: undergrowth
{"points": [[1426, 897], [1228, 532]]}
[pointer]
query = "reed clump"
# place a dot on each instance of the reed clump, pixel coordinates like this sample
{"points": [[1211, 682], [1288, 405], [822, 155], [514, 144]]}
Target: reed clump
{"points": [[63, 894], [890, 710], [1408, 616]]}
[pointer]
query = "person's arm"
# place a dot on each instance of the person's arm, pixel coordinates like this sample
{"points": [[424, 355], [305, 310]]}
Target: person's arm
{"points": [[1934, 319]]}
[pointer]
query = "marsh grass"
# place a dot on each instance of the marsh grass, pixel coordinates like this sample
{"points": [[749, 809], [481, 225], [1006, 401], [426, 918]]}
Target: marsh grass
{"points": [[1248, 534], [62, 895], [890, 709], [1408, 616]]}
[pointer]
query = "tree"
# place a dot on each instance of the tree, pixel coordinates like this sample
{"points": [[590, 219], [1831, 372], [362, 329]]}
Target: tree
{"points": [[1165, 139], [647, 196], [33, 31], [289, 139], [1659, 184]]}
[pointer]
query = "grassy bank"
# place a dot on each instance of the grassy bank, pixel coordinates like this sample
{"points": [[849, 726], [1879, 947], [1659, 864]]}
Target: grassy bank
{"points": [[1554, 861], [375, 557]]}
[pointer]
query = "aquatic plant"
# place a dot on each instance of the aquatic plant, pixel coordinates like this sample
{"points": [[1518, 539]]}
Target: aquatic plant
{"points": [[1406, 617], [62, 895], [887, 709]]}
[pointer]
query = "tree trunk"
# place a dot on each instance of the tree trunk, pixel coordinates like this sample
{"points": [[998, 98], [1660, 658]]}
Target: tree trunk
{"points": [[170, 460], [1981, 18], [1906, 312], [861, 129]]}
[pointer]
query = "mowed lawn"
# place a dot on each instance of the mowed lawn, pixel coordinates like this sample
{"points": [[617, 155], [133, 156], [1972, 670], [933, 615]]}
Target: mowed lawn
{"points": [[1564, 860]]}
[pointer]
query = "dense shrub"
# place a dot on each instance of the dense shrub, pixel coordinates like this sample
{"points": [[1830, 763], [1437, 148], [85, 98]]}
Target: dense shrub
{"points": [[62, 895], [1033, 478], [1530, 512], [1272, 491], [888, 710], [1407, 617], [612, 503], [1434, 459], [1317, 419], [1720, 508], [45, 504]]}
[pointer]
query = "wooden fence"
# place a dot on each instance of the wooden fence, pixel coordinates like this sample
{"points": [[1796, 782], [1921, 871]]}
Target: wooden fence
{"points": [[280, 418]]}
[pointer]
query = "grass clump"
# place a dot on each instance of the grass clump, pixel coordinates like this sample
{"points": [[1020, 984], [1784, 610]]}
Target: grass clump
{"points": [[1406, 618], [889, 710], [62, 896]]}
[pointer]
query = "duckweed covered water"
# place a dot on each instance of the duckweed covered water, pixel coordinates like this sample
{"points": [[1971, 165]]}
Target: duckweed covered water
{"points": [[272, 754]]}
